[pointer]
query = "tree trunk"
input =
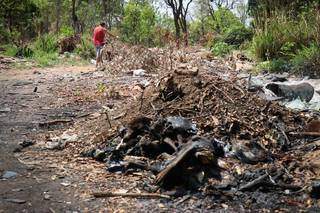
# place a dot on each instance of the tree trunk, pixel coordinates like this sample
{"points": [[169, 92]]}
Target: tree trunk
{"points": [[177, 28], [58, 13], [74, 17]]}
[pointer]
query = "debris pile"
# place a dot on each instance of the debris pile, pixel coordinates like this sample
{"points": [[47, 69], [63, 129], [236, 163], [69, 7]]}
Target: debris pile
{"points": [[68, 44], [202, 132], [123, 58]]}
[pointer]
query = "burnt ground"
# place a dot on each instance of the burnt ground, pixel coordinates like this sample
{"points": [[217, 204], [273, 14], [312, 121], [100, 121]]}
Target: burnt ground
{"points": [[39, 105]]}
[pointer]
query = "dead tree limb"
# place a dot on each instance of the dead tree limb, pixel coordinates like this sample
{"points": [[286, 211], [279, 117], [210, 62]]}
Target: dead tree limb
{"points": [[132, 195]]}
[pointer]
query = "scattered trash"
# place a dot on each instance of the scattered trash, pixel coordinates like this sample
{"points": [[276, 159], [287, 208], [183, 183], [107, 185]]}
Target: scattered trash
{"points": [[65, 184], [139, 72], [61, 141]]}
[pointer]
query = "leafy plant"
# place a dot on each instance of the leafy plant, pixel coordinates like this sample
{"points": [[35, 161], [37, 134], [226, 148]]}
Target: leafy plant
{"points": [[138, 23], [85, 49], [237, 35], [276, 66], [221, 49], [46, 43], [307, 61]]}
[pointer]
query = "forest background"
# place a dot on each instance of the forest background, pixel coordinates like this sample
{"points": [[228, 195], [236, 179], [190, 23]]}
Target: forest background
{"points": [[280, 35]]}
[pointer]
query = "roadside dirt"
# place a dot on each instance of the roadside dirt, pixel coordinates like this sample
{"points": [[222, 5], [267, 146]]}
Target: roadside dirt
{"points": [[28, 97], [52, 180]]}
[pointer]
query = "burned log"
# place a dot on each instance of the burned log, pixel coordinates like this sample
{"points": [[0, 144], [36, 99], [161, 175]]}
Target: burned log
{"points": [[196, 160], [304, 91]]}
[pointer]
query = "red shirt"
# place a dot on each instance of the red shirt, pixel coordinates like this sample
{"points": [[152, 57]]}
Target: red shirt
{"points": [[98, 35]]}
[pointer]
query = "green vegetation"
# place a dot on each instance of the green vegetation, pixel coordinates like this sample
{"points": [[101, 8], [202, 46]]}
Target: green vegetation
{"points": [[138, 25], [282, 36]]}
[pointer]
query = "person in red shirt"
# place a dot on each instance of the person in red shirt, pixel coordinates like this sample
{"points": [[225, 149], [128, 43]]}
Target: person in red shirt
{"points": [[99, 40]]}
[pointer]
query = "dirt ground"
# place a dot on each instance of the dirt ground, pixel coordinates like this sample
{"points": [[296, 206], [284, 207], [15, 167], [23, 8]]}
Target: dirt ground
{"points": [[39, 185], [61, 180]]}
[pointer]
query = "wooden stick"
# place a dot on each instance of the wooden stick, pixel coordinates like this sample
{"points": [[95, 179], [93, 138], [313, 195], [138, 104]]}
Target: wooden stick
{"points": [[107, 115], [132, 195], [54, 122], [223, 93], [253, 183], [315, 134]]}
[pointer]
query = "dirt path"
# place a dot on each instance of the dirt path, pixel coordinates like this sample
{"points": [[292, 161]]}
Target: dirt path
{"points": [[25, 96], [53, 180]]}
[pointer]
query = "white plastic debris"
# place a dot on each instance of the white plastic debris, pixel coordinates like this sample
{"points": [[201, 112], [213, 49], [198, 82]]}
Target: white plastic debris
{"points": [[139, 72], [92, 61]]}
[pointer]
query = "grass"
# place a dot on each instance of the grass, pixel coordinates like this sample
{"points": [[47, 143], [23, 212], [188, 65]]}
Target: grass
{"points": [[282, 35]]}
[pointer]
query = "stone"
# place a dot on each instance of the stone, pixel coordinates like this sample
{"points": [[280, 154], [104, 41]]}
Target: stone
{"points": [[9, 175], [4, 110], [18, 201]]}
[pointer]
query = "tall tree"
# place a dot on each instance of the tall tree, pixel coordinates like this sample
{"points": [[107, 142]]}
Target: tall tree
{"points": [[180, 11]]}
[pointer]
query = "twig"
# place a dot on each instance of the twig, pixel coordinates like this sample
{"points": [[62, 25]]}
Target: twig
{"points": [[315, 134], [119, 116], [249, 82], [132, 195], [54, 122], [107, 115], [141, 99], [254, 183], [223, 93]]}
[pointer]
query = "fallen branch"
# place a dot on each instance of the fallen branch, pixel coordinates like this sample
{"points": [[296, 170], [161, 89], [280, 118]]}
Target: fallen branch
{"points": [[54, 122], [254, 183], [132, 195], [225, 94], [315, 134]]}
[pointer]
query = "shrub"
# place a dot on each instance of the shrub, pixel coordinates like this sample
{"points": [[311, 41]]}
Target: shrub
{"points": [[237, 35], [138, 23], [307, 61], [46, 58], [282, 35], [275, 65], [221, 49], [9, 50], [46, 43], [86, 48]]}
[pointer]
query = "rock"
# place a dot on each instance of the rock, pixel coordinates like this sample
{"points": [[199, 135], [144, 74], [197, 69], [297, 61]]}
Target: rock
{"points": [[18, 201], [304, 91], [5, 110], [9, 175]]}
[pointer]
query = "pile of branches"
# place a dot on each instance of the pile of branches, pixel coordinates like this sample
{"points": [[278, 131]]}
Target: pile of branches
{"points": [[198, 128], [123, 58]]}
